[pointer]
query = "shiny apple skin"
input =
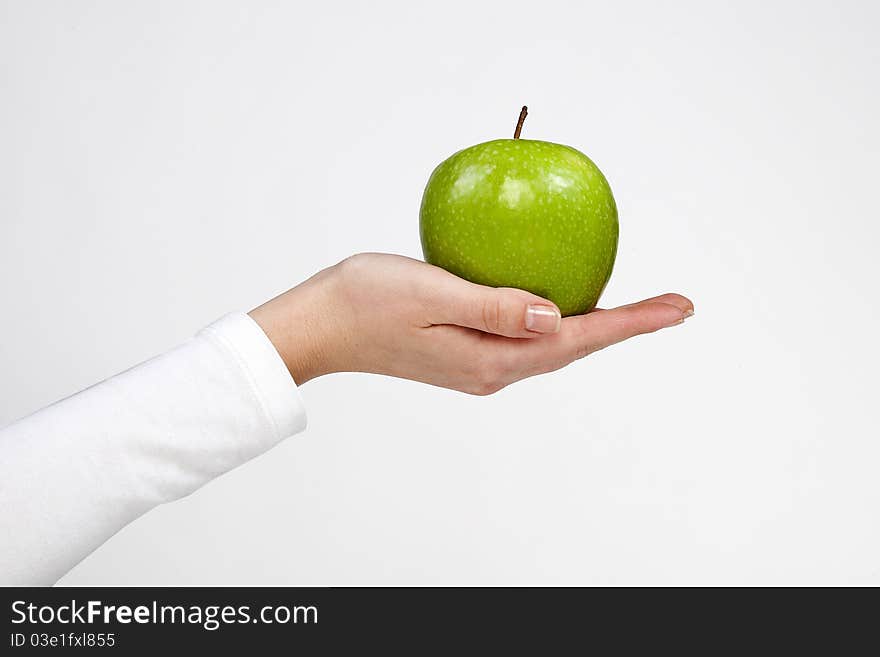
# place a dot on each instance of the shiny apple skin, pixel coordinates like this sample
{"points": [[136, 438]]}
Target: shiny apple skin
{"points": [[523, 213]]}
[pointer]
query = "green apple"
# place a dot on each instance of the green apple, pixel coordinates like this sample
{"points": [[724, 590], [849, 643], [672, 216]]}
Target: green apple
{"points": [[522, 213]]}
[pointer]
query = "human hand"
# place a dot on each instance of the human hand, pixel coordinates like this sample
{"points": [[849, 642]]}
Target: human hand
{"points": [[393, 315]]}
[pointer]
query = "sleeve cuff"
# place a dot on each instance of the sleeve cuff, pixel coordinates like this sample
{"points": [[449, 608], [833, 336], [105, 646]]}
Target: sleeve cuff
{"points": [[271, 382]]}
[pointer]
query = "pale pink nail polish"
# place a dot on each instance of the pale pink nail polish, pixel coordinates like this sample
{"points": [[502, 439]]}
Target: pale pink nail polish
{"points": [[543, 319]]}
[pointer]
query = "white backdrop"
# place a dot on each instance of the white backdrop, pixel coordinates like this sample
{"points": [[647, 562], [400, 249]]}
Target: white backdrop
{"points": [[162, 163]]}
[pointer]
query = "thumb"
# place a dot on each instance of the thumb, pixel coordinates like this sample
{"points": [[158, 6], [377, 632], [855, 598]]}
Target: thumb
{"points": [[502, 310]]}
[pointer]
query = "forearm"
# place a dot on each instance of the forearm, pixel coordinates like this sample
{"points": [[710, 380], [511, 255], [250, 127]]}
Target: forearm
{"points": [[76, 472]]}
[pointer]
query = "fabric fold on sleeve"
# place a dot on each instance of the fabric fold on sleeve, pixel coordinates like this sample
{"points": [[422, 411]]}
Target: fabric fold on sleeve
{"points": [[78, 471]]}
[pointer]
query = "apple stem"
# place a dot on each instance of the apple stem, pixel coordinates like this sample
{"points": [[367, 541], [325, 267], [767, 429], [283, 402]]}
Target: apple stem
{"points": [[522, 117]]}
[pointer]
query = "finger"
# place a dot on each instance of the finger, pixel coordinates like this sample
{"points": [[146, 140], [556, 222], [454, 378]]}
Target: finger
{"points": [[502, 311], [677, 300], [585, 334], [511, 360]]}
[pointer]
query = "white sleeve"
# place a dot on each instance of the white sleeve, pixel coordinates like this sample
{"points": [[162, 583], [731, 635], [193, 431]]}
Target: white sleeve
{"points": [[76, 472]]}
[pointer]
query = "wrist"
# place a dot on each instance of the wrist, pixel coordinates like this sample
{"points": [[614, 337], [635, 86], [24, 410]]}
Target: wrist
{"points": [[298, 323]]}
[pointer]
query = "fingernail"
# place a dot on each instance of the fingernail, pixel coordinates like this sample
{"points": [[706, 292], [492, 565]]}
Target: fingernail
{"points": [[684, 316], [543, 319]]}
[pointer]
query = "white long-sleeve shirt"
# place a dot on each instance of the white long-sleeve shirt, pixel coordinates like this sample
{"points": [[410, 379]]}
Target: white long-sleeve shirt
{"points": [[78, 471]]}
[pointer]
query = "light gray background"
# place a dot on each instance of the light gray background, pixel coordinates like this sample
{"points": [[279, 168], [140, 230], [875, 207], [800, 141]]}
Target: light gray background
{"points": [[162, 163]]}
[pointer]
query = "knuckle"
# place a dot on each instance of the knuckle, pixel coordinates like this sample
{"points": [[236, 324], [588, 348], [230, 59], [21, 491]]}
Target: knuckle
{"points": [[494, 374], [484, 389], [487, 376], [492, 314], [585, 341]]}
